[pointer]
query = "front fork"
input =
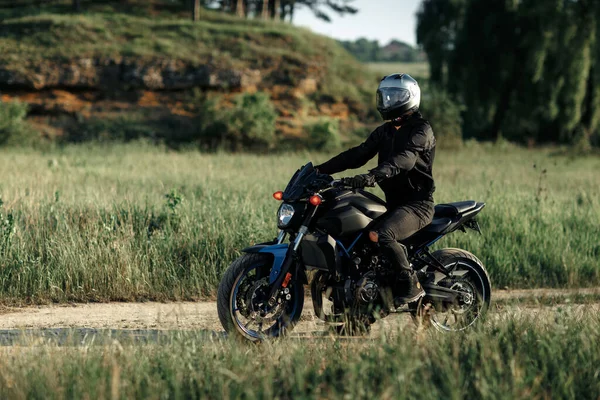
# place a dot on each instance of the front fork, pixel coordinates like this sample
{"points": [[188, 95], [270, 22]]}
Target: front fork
{"points": [[285, 276], [281, 236]]}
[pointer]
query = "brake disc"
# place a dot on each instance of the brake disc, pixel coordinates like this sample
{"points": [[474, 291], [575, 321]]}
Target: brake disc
{"points": [[241, 298], [256, 305]]}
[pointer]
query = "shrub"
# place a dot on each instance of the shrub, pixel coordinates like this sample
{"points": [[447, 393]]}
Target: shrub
{"points": [[248, 125], [12, 121], [444, 115], [323, 135]]}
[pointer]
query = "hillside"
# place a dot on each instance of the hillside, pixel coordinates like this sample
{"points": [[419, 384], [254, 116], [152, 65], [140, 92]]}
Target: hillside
{"points": [[106, 63]]}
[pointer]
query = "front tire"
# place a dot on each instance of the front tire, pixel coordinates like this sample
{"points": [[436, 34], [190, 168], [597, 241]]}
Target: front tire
{"points": [[241, 301]]}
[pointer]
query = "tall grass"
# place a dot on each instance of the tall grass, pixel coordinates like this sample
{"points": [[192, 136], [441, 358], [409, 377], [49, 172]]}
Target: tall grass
{"points": [[135, 222], [511, 358]]}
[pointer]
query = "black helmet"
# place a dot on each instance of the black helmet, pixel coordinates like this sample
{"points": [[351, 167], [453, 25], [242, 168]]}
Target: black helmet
{"points": [[397, 94]]}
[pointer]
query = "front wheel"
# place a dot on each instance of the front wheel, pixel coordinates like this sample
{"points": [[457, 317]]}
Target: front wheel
{"points": [[468, 277], [242, 300]]}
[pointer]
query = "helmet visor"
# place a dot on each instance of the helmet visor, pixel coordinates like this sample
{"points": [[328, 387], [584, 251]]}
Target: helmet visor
{"points": [[389, 97]]}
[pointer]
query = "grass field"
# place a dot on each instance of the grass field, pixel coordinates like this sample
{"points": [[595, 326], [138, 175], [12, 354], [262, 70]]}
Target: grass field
{"points": [[509, 358], [134, 222], [416, 70]]}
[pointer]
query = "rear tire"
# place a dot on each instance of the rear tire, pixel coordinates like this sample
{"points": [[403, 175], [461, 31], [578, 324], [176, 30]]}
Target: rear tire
{"points": [[228, 306], [477, 277]]}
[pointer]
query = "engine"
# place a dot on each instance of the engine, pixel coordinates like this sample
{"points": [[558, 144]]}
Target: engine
{"points": [[367, 278], [363, 291], [367, 289]]}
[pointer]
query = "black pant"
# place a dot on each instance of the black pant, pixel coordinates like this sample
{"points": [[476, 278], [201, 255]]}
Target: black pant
{"points": [[398, 224]]}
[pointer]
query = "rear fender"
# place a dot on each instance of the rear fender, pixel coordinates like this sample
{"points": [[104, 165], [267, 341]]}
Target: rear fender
{"points": [[467, 220], [278, 252]]}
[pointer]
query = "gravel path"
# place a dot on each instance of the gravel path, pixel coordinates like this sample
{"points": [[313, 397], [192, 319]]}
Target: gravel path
{"points": [[150, 321]]}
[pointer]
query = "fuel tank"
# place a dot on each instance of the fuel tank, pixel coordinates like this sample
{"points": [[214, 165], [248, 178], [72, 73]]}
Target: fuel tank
{"points": [[350, 212]]}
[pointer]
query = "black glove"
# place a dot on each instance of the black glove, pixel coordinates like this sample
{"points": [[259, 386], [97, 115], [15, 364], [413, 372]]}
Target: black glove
{"points": [[360, 181]]}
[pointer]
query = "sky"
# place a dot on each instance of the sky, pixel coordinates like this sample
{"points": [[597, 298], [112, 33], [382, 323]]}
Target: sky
{"points": [[382, 20]]}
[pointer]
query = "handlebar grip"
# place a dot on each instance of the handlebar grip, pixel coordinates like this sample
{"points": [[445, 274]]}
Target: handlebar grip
{"points": [[338, 183]]}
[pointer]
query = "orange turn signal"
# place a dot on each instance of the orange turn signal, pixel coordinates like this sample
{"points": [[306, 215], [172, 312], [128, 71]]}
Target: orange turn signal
{"points": [[278, 195], [315, 200], [286, 281]]}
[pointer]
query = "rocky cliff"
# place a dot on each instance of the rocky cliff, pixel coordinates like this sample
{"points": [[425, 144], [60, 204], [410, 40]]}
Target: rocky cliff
{"points": [[73, 68]]}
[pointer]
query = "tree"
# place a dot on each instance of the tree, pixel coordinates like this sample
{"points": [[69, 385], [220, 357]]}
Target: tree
{"points": [[276, 9], [282, 9], [195, 10], [363, 49], [340, 7], [264, 9], [239, 9], [591, 117], [523, 68], [438, 22]]}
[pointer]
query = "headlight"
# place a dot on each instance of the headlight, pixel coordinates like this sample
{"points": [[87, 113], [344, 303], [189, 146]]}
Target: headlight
{"points": [[284, 215]]}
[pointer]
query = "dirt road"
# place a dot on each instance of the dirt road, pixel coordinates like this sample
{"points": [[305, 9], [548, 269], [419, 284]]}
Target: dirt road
{"points": [[202, 316]]}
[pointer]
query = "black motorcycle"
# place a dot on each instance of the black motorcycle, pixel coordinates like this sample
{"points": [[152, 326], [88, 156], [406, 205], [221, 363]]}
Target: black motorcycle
{"points": [[261, 294]]}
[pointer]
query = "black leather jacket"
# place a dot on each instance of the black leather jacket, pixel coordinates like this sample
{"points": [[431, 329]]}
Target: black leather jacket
{"points": [[405, 160]]}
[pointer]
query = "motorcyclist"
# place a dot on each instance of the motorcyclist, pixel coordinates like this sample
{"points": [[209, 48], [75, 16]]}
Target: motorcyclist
{"points": [[406, 148]]}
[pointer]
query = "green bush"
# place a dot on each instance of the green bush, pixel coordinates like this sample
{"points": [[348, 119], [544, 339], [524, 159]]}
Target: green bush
{"points": [[248, 125], [323, 135], [444, 114], [12, 121]]}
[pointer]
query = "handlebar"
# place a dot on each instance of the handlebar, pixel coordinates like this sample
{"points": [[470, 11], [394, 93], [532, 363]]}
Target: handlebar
{"points": [[340, 182]]}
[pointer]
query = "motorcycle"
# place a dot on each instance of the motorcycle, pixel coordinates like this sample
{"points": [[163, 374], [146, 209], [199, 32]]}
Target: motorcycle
{"points": [[261, 295]]}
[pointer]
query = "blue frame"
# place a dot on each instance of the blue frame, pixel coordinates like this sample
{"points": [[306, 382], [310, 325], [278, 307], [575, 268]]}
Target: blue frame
{"points": [[279, 252], [435, 240], [347, 251]]}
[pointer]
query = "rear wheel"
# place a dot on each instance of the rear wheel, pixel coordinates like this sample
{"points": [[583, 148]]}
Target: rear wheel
{"points": [[242, 300], [468, 277]]}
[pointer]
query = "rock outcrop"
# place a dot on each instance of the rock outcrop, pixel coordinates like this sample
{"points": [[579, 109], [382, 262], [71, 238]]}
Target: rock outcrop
{"points": [[129, 73]]}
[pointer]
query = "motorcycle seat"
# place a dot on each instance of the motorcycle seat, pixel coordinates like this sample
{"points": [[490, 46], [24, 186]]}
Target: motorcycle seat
{"points": [[438, 225], [451, 210]]}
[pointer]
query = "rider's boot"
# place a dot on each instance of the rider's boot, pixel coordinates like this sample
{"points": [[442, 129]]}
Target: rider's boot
{"points": [[414, 290]]}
